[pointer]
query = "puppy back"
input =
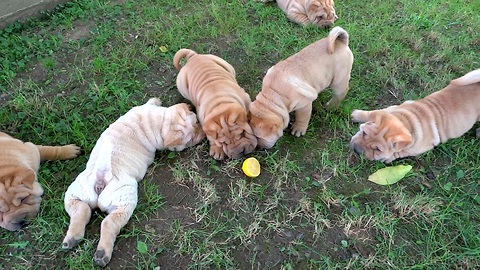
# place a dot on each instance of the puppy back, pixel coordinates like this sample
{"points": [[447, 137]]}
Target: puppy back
{"points": [[182, 53], [337, 34]]}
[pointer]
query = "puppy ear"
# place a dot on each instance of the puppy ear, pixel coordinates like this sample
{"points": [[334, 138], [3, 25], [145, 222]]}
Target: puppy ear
{"points": [[397, 134], [400, 141], [360, 116], [183, 109], [251, 138], [172, 142], [24, 176], [211, 128]]}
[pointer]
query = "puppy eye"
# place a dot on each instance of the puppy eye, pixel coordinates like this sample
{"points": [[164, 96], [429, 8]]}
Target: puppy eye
{"points": [[377, 149]]}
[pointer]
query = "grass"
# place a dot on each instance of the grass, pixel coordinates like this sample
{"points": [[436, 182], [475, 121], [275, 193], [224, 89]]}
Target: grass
{"points": [[66, 76]]}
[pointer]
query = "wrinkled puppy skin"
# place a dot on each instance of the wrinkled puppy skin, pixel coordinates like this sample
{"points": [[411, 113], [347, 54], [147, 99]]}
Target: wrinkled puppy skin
{"points": [[118, 162], [20, 192], [320, 13], [209, 83], [414, 127]]}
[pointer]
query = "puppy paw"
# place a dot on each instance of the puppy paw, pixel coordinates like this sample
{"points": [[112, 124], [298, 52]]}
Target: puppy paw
{"points": [[154, 101], [217, 152], [299, 130], [100, 258], [359, 116], [71, 151], [333, 104], [69, 243]]}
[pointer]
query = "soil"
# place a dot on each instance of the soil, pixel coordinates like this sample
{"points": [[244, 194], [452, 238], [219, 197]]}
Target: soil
{"points": [[270, 251]]}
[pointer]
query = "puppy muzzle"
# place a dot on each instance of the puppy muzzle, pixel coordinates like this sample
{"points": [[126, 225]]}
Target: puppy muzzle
{"points": [[16, 226], [357, 149]]}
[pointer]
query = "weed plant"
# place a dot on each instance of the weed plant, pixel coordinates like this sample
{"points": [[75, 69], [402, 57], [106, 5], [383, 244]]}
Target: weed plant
{"points": [[66, 76]]}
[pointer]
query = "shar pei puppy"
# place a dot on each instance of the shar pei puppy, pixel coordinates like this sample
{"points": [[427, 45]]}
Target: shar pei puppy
{"points": [[20, 191], [294, 83], [320, 13], [118, 162], [415, 127], [209, 83]]}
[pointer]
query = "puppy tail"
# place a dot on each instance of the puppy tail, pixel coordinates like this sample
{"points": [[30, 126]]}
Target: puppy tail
{"points": [[182, 53], [469, 78], [103, 167], [337, 34]]}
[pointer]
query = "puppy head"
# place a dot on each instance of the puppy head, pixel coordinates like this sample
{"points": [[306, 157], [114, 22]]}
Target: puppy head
{"points": [[20, 197], [380, 137], [267, 127], [231, 131], [185, 130], [321, 12]]}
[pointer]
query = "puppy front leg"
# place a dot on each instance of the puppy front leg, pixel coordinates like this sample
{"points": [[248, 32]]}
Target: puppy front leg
{"points": [[110, 228], [216, 151], [80, 214], [302, 117]]}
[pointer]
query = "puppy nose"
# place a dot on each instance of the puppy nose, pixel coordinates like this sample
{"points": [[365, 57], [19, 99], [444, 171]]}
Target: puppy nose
{"points": [[22, 224], [18, 225], [357, 150]]}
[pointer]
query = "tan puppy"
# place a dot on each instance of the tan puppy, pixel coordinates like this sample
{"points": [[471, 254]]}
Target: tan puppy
{"points": [[317, 12], [20, 192], [294, 83], [118, 161], [417, 126], [222, 105]]}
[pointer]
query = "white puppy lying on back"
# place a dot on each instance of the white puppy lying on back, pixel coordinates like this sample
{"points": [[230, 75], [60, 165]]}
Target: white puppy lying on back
{"points": [[118, 161]]}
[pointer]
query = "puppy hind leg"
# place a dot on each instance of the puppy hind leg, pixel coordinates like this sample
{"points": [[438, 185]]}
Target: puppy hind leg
{"points": [[302, 118], [58, 152], [110, 228], [340, 90], [80, 214]]}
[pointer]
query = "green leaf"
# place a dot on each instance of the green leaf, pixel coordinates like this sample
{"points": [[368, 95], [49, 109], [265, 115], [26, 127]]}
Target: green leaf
{"points": [[390, 175], [142, 247], [21, 244], [448, 186]]}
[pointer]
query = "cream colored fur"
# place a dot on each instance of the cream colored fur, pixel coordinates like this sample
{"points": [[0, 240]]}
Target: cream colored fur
{"points": [[118, 162], [294, 83], [317, 12]]}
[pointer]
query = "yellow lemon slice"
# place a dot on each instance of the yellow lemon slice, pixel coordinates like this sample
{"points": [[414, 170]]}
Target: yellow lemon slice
{"points": [[251, 167]]}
